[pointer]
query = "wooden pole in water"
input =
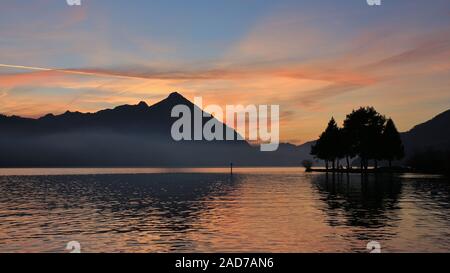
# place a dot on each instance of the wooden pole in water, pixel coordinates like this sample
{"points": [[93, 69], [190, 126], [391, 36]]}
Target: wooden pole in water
{"points": [[231, 168]]}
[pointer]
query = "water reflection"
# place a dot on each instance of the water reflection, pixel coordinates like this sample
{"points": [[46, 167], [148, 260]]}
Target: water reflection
{"points": [[435, 196], [278, 211], [94, 204], [366, 201], [367, 204]]}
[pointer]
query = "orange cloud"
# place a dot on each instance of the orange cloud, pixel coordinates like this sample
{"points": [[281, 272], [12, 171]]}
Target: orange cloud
{"points": [[310, 72]]}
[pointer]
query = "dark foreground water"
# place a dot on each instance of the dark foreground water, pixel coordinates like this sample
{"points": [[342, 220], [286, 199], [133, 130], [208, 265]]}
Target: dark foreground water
{"points": [[207, 210]]}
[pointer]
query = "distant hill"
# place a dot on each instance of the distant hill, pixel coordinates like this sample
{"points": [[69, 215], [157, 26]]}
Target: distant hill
{"points": [[433, 134], [139, 135], [290, 154], [128, 135]]}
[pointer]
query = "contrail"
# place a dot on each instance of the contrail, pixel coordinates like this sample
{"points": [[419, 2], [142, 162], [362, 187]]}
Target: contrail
{"points": [[25, 67], [76, 72]]}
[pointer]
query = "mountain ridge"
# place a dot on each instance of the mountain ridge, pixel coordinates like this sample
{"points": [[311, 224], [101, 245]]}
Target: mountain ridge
{"points": [[432, 134], [137, 127], [127, 135]]}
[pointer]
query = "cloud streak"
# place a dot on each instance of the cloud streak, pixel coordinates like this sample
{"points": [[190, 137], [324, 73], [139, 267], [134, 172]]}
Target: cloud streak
{"points": [[79, 72], [313, 61]]}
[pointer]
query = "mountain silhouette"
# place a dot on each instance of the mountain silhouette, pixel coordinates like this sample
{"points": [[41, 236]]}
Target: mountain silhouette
{"points": [[129, 119], [128, 135], [140, 135], [433, 134]]}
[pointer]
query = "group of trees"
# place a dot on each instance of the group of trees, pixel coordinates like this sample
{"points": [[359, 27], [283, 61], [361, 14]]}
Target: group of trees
{"points": [[366, 134]]}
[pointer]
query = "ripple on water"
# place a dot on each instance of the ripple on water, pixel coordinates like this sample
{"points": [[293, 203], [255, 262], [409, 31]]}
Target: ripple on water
{"points": [[275, 210]]}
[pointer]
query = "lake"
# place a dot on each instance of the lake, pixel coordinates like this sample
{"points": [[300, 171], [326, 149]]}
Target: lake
{"points": [[209, 210]]}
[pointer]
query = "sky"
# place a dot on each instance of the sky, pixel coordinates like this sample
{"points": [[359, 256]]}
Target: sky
{"points": [[314, 58]]}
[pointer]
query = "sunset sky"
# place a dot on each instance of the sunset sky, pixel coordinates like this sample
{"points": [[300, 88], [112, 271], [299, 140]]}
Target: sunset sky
{"points": [[314, 58]]}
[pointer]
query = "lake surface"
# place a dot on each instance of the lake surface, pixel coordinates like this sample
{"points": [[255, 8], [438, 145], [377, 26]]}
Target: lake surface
{"points": [[208, 210]]}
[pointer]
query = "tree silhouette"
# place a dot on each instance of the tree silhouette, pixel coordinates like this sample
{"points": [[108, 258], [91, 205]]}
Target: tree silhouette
{"points": [[364, 129], [365, 134], [347, 149], [327, 146], [392, 147]]}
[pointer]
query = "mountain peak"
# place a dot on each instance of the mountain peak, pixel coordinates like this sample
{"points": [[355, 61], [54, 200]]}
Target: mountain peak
{"points": [[175, 95], [48, 116], [142, 104], [172, 100]]}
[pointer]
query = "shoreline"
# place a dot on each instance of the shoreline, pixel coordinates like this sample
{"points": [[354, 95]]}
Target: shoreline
{"points": [[396, 170]]}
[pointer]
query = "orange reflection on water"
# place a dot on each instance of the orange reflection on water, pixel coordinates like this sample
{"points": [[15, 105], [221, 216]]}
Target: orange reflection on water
{"points": [[208, 210]]}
